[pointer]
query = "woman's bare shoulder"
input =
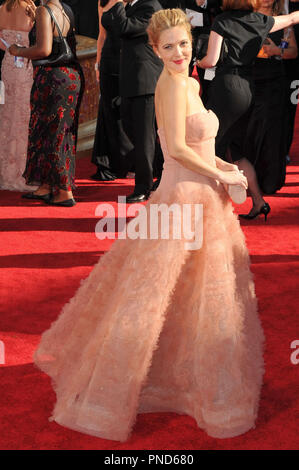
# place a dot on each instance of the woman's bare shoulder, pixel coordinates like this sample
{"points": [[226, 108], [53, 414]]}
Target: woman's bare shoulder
{"points": [[170, 83], [171, 94]]}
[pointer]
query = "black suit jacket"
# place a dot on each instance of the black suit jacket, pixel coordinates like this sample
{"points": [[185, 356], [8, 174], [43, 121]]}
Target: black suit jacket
{"points": [[140, 68]]}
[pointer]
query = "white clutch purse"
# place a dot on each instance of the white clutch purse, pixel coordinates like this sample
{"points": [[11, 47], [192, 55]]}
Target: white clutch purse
{"points": [[237, 193]]}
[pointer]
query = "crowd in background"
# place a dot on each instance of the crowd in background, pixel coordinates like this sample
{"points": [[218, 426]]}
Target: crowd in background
{"points": [[127, 70]]}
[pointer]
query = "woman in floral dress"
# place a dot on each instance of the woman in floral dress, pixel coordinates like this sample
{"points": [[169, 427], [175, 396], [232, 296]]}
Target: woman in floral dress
{"points": [[55, 100]]}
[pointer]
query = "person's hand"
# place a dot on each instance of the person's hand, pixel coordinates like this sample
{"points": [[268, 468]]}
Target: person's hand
{"points": [[14, 49], [270, 48], [30, 10], [98, 76], [234, 177], [200, 3], [111, 4]]}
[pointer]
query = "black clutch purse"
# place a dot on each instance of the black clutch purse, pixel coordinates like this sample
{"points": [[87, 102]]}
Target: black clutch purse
{"points": [[61, 53], [201, 48]]}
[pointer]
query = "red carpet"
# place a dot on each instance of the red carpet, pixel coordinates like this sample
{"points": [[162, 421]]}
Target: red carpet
{"points": [[46, 251]]}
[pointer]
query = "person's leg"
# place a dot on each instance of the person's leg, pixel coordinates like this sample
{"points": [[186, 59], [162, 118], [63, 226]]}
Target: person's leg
{"points": [[62, 174], [143, 126], [62, 195], [126, 116], [43, 190], [253, 186], [259, 205], [237, 153]]}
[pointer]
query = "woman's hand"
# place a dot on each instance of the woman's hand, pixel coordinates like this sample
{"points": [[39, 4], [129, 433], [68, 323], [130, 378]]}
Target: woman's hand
{"points": [[233, 177], [30, 10], [14, 49], [270, 48]]}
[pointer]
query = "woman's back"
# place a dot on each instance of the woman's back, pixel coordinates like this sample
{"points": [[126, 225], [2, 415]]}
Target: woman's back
{"points": [[16, 19], [244, 32], [64, 18], [164, 84]]}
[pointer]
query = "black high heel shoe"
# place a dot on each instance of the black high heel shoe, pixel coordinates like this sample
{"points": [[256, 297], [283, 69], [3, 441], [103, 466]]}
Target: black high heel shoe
{"points": [[265, 209]]}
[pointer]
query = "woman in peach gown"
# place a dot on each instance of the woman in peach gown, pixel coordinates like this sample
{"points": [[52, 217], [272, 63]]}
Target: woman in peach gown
{"points": [[15, 25], [159, 325]]}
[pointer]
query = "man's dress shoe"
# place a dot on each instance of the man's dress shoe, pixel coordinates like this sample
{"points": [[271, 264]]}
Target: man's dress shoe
{"points": [[103, 176], [137, 197]]}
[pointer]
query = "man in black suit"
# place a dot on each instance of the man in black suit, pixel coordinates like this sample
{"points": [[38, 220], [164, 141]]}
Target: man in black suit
{"points": [[140, 69]]}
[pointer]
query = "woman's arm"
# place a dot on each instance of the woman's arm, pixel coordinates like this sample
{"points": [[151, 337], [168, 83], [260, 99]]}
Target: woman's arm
{"points": [[272, 49], [225, 166], [284, 21], [292, 50], [173, 109], [213, 53], [101, 40], [44, 38]]}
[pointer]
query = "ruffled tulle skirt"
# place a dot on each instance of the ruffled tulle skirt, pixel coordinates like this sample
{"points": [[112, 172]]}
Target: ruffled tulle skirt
{"points": [[159, 327]]}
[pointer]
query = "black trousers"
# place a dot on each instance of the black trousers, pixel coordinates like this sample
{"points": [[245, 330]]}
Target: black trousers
{"points": [[111, 150], [138, 118], [230, 97]]}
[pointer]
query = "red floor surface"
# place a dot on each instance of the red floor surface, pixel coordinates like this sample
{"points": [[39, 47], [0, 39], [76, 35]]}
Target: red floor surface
{"points": [[46, 251]]}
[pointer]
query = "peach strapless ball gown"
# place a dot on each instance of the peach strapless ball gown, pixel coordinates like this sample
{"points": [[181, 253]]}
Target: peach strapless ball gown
{"points": [[157, 327]]}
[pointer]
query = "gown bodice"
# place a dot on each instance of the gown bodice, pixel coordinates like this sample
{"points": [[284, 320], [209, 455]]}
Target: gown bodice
{"points": [[16, 37], [201, 130]]}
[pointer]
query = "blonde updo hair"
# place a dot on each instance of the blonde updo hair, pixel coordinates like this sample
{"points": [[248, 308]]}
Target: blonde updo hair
{"points": [[166, 19]]}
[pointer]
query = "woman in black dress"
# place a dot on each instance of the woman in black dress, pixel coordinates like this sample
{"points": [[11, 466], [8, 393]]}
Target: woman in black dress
{"points": [[55, 100], [266, 141], [111, 146], [244, 31]]}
